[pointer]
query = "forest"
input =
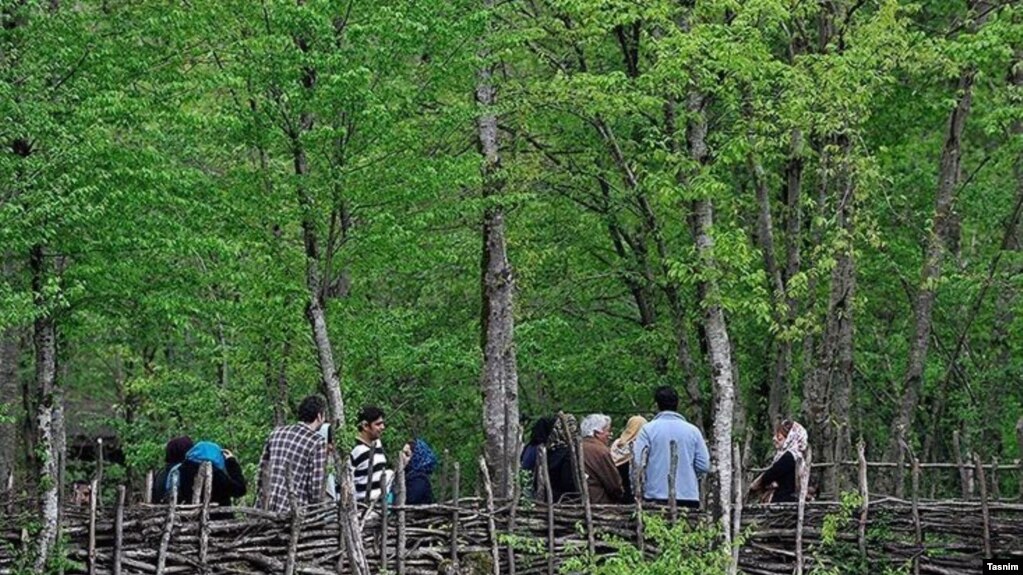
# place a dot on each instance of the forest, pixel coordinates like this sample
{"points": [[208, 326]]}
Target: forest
{"points": [[474, 213]]}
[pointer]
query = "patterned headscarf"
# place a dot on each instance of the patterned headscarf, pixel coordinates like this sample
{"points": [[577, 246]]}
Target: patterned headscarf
{"points": [[423, 460], [795, 443], [565, 430]]}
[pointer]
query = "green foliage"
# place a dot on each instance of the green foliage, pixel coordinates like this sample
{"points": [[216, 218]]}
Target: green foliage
{"points": [[682, 550]]}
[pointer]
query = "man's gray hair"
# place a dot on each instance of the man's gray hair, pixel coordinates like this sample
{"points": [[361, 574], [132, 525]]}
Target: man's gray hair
{"points": [[593, 423]]}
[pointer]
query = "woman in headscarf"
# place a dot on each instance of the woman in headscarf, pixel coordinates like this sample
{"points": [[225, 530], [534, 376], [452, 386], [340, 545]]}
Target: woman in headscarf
{"points": [[560, 464], [781, 482], [421, 463], [621, 453], [541, 432], [174, 455]]}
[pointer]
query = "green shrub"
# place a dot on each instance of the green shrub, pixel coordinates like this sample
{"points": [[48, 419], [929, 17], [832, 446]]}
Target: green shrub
{"points": [[682, 550]]}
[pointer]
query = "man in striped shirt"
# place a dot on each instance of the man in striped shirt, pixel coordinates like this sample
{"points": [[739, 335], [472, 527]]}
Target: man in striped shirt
{"points": [[297, 451], [369, 464]]}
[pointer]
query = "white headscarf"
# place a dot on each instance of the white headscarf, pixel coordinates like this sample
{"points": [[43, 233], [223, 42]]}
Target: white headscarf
{"points": [[795, 443]]}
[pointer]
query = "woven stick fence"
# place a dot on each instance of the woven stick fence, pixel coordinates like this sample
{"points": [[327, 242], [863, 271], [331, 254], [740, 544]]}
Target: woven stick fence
{"points": [[134, 540]]}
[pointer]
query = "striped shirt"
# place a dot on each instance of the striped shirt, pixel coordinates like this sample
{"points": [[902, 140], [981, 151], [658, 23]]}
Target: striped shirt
{"points": [[368, 465], [292, 449]]}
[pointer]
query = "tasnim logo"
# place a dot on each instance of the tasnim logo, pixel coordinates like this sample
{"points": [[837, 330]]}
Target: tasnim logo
{"points": [[1002, 565]]}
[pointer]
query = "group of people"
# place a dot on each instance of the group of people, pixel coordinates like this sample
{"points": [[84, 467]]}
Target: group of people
{"points": [[612, 469], [295, 467], [297, 459]]}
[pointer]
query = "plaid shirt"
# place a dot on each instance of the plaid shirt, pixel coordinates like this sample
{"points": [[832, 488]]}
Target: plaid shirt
{"points": [[292, 448]]}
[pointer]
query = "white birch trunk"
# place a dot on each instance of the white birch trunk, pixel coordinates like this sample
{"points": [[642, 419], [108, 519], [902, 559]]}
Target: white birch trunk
{"points": [[499, 381]]}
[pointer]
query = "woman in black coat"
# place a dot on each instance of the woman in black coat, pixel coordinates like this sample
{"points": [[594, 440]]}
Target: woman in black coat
{"points": [[781, 482]]}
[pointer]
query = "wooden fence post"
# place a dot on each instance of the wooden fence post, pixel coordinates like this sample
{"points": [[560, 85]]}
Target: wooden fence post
{"points": [[983, 505], [206, 471], [350, 525], [736, 508], [800, 513], [672, 473], [584, 495], [99, 471], [119, 530], [296, 524], [996, 489], [488, 490], [383, 523], [168, 528], [864, 495], [964, 479], [512, 513], [640, 484], [147, 496], [93, 496], [917, 530], [545, 482], [401, 499], [1019, 447], [455, 481], [898, 474]]}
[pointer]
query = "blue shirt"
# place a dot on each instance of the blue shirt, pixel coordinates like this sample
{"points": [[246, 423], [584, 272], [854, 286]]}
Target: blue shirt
{"points": [[693, 457]]}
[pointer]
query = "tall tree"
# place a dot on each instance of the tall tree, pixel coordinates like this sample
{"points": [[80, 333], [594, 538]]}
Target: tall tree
{"points": [[500, 380]]}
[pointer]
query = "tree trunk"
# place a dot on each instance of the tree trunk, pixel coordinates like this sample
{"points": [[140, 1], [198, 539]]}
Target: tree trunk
{"points": [[499, 380], [827, 395], [781, 385], [45, 343], [930, 273], [718, 344], [330, 381]]}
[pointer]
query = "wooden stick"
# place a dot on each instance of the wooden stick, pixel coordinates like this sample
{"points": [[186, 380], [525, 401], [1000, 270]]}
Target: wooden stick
{"points": [[401, 498], [296, 524], [584, 494], [197, 486], [996, 489], [640, 483], [984, 506], [964, 481], [99, 469], [898, 474], [733, 569], [1019, 446], [672, 496], [495, 552], [349, 523], [119, 530], [147, 497], [865, 496], [545, 483], [93, 496], [455, 486], [383, 523], [161, 556], [917, 531], [10, 491], [512, 514], [206, 471], [800, 514]]}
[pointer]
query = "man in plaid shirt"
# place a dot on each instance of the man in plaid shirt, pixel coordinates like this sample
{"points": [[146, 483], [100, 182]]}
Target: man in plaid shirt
{"points": [[298, 450]]}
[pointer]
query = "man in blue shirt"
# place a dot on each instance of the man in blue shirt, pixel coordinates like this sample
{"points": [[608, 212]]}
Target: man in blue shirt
{"points": [[657, 436]]}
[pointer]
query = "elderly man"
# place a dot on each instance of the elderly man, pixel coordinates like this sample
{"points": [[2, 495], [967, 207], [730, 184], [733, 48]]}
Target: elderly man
{"points": [[603, 483]]}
